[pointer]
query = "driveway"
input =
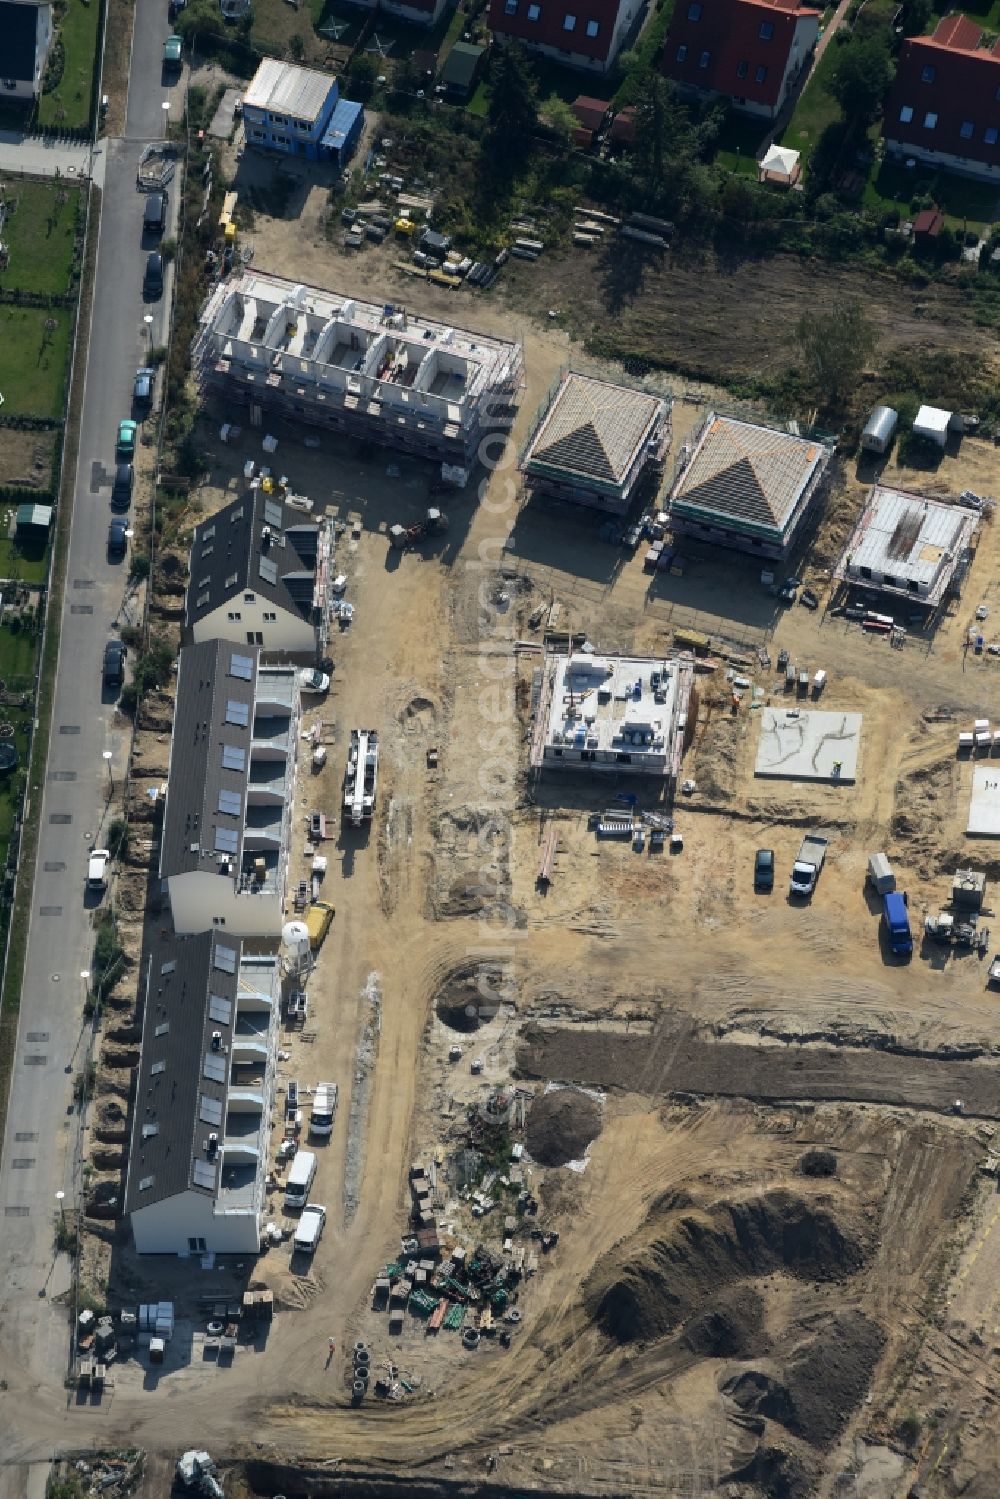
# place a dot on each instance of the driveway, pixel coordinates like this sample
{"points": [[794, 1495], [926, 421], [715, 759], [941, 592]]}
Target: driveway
{"points": [[41, 1147], [43, 157]]}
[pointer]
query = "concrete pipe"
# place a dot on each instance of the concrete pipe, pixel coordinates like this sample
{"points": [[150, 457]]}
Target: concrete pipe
{"points": [[360, 1347], [470, 1337], [514, 1315], [358, 1389]]}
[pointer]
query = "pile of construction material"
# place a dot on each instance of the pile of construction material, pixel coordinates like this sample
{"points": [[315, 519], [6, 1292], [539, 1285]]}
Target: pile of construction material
{"points": [[590, 226]]}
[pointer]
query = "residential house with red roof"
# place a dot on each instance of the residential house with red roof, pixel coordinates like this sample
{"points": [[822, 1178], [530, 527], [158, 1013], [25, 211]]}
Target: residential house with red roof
{"points": [[944, 104], [586, 34], [750, 52]]}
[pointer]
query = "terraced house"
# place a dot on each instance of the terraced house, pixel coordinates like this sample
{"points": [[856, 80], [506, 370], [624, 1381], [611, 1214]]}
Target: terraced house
{"points": [[944, 104], [585, 34], [751, 52]]}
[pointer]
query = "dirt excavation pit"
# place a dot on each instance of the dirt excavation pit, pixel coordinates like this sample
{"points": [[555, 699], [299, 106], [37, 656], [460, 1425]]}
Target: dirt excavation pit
{"points": [[687, 1251], [561, 1124], [471, 996]]}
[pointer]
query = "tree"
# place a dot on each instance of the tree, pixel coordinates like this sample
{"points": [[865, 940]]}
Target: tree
{"points": [[835, 347], [559, 117], [861, 73], [513, 110]]}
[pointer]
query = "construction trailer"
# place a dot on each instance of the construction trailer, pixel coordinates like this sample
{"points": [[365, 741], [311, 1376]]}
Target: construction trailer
{"points": [[361, 777]]}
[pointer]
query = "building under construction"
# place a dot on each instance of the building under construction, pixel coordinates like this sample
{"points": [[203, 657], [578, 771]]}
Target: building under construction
{"points": [[624, 714], [595, 443], [907, 546], [375, 372], [361, 777]]}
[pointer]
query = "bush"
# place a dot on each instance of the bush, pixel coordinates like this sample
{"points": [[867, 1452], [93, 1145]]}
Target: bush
{"points": [[118, 837], [139, 570]]}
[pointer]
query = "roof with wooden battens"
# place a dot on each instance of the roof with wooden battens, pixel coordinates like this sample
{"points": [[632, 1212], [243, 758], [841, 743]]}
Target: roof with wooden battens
{"points": [[741, 473]]}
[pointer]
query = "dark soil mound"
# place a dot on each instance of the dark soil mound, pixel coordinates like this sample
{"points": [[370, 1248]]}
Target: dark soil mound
{"points": [[561, 1125], [779, 1474], [828, 1379], [818, 1163], [470, 997], [824, 1382], [731, 1327], [759, 1394], [682, 1258]]}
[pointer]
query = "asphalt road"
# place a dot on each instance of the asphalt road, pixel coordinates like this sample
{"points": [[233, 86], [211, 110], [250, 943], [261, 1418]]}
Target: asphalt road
{"points": [[72, 806]]}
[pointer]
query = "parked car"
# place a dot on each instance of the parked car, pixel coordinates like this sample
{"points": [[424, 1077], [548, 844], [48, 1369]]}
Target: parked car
{"points": [[809, 599], [763, 870], [152, 281], [313, 680], [121, 489], [117, 538], [126, 438], [97, 868], [114, 662], [145, 384], [172, 52], [154, 215]]}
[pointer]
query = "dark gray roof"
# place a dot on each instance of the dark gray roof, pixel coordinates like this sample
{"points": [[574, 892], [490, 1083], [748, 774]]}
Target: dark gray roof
{"points": [[209, 757], [462, 64], [19, 30], [176, 1105], [231, 554]]}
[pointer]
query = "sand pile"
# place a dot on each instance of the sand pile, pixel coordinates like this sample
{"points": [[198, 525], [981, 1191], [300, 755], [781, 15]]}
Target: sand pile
{"points": [[685, 1254], [561, 1124]]}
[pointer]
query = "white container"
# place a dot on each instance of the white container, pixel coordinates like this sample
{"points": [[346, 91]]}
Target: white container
{"points": [[819, 682], [981, 725], [966, 741]]}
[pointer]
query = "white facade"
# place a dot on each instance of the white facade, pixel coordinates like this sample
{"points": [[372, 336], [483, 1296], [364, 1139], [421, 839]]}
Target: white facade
{"points": [[250, 619], [23, 90], [203, 898], [964, 166], [622, 714], [408, 381]]}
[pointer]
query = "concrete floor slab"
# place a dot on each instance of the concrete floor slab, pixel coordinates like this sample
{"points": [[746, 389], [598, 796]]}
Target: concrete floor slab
{"points": [[984, 805], [802, 744]]}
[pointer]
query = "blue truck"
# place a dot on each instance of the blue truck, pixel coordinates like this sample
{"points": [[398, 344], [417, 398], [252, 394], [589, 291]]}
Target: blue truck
{"points": [[896, 918]]}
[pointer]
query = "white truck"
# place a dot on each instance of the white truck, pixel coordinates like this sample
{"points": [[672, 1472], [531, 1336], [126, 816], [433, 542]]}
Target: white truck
{"points": [[97, 868], [324, 1109], [808, 863], [309, 1228]]}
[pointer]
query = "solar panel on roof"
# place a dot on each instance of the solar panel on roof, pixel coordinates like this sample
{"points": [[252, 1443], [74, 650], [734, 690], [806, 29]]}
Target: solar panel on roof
{"points": [[237, 712], [272, 513], [210, 1110], [225, 958], [241, 666], [269, 570], [231, 803], [214, 1067], [233, 758], [203, 1174], [226, 840], [220, 1009]]}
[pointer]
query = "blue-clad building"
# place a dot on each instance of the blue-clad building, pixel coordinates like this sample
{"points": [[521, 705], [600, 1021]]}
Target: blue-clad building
{"points": [[299, 111]]}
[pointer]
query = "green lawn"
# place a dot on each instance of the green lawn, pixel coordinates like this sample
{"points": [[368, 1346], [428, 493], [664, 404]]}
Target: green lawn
{"points": [[33, 360], [41, 233], [815, 110], [69, 103], [17, 560], [738, 143], [963, 202], [17, 660], [985, 14]]}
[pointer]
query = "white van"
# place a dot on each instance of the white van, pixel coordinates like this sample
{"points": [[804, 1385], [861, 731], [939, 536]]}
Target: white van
{"points": [[301, 1175], [307, 1235]]}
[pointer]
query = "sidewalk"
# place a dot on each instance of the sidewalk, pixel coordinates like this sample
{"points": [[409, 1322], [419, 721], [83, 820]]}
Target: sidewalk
{"points": [[42, 156]]}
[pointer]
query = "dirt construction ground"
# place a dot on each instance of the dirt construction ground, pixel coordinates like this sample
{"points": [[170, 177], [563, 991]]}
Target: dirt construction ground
{"points": [[753, 1242]]}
